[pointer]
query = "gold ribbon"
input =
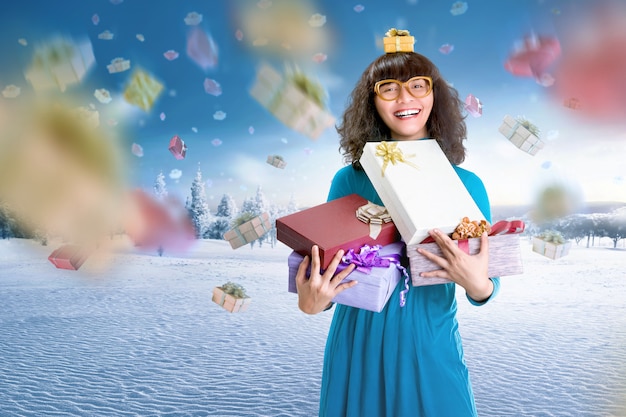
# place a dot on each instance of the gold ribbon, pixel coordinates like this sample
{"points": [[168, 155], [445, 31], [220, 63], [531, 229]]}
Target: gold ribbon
{"points": [[375, 216], [397, 32], [390, 153]]}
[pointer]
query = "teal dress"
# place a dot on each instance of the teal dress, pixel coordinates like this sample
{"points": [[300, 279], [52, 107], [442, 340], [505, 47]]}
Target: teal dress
{"points": [[404, 361]]}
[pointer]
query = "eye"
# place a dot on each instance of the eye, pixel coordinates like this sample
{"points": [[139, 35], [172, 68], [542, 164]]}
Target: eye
{"points": [[388, 87]]}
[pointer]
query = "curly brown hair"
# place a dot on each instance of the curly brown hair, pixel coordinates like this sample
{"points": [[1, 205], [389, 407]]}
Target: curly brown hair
{"points": [[361, 122]]}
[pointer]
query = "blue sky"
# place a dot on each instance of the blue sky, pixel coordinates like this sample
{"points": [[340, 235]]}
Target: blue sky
{"points": [[585, 155]]}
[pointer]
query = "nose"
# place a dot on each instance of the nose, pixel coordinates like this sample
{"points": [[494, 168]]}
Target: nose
{"points": [[404, 95]]}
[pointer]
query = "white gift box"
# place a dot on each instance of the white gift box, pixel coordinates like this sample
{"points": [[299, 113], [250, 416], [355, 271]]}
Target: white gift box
{"points": [[549, 249], [422, 193], [289, 103], [59, 64], [521, 137], [118, 65]]}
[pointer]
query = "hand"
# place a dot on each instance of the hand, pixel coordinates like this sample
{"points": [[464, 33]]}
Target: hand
{"points": [[317, 292], [469, 271]]}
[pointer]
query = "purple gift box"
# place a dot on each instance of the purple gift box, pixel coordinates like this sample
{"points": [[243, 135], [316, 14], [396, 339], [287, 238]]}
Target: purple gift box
{"points": [[374, 288]]}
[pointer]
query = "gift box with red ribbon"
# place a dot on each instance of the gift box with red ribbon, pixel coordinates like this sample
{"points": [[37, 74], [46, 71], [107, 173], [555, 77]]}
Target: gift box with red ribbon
{"points": [[69, 257], [178, 147], [345, 223], [418, 186], [505, 256], [378, 272]]}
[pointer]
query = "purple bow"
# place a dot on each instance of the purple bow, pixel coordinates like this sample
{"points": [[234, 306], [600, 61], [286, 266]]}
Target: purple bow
{"points": [[368, 258]]}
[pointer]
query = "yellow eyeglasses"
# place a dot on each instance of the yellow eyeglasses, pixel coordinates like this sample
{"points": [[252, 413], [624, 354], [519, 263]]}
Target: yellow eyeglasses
{"points": [[418, 87]]}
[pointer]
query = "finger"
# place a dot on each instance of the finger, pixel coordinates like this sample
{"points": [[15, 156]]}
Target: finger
{"points": [[301, 274], [484, 244], [345, 286], [440, 273], [332, 266], [315, 261], [438, 260], [344, 273]]}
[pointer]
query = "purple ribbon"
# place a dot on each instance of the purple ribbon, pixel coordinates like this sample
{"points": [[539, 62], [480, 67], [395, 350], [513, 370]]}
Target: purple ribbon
{"points": [[368, 258]]}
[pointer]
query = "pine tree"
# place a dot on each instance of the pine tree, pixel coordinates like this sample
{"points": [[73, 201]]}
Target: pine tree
{"points": [[160, 190], [292, 207], [198, 207], [227, 207]]}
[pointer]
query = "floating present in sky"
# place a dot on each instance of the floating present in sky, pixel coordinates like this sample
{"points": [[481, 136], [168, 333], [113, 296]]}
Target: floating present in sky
{"points": [[70, 257], [102, 95], [277, 161], [473, 105], [239, 35], [194, 129], [60, 63], [251, 130], [162, 116], [142, 90], [137, 150], [87, 115], [522, 133], [176, 174], [22, 42], [95, 19], [201, 49], [170, 55], [446, 48], [216, 142], [458, 8], [177, 147], [358, 8], [11, 91], [219, 115], [247, 228], [533, 57], [107, 35], [140, 37], [118, 64], [193, 19], [212, 87], [573, 103], [317, 20], [319, 57], [231, 297]]}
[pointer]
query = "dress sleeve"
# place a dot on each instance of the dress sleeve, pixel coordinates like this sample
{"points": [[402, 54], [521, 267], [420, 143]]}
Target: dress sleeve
{"points": [[477, 190]]}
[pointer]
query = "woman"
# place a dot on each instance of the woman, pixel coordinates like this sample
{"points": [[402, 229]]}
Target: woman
{"points": [[403, 361]]}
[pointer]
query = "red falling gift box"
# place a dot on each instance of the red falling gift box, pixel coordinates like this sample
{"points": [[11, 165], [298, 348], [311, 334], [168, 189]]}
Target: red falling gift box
{"points": [[473, 105], [248, 231], [178, 147], [229, 302], [334, 225], [505, 256], [68, 257]]}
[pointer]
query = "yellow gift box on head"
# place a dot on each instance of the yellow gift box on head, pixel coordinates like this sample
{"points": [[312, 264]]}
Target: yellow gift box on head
{"points": [[396, 40]]}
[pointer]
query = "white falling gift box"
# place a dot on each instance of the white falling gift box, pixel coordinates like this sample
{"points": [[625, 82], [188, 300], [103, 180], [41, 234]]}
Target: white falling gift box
{"points": [[519, 132], [418, 186]]}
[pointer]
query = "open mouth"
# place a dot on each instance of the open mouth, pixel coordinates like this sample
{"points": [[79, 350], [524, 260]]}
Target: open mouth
{"points": [[406, 113]]}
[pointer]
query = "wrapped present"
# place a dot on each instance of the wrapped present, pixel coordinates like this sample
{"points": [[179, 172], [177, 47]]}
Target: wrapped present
{"points": [[277, 161], [118, 65], [178, 147], [247, 228], [398, 41], [409, 177], [551, 244], [335, 225], [573, 103], [60, 63], [378, 271], [232, 297], [522, 134], [505, 256], [69, 257], [143, 90], [294, 100], [473, 105]]}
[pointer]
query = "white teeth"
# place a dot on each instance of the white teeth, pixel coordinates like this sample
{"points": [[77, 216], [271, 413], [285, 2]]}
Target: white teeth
{"points": [[406, 113]]}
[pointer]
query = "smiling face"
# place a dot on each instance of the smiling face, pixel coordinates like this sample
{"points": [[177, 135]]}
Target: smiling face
{"points": [[405, 116]]}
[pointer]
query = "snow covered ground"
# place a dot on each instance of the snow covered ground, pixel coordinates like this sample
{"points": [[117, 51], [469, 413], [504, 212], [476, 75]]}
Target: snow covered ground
{"points": [[138, 335]]}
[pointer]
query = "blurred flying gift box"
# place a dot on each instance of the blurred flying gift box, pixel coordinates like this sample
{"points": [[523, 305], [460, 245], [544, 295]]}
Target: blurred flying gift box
{"points": [[398, 41], [573, 103], [142, 90], [410, 178], [69, 257], [473, 105], [294, 99], [505, 256], [178, 147], [522, 134], [277, 161], [247, 228], [378, 272], [337, 224], [60, 63], [550, 243], [118, 65], [231, 297]]}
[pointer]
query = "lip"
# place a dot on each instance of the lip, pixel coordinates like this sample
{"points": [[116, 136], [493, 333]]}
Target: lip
{"points": [[416, 111]]}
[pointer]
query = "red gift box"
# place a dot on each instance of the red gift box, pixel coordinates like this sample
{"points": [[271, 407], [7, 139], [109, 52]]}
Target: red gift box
{"points": [[68, 257], [332, 226], [178, 147]]}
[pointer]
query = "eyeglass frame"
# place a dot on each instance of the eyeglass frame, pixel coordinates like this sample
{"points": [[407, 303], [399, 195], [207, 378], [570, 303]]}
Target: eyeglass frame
{"points": [[404, 85]]}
